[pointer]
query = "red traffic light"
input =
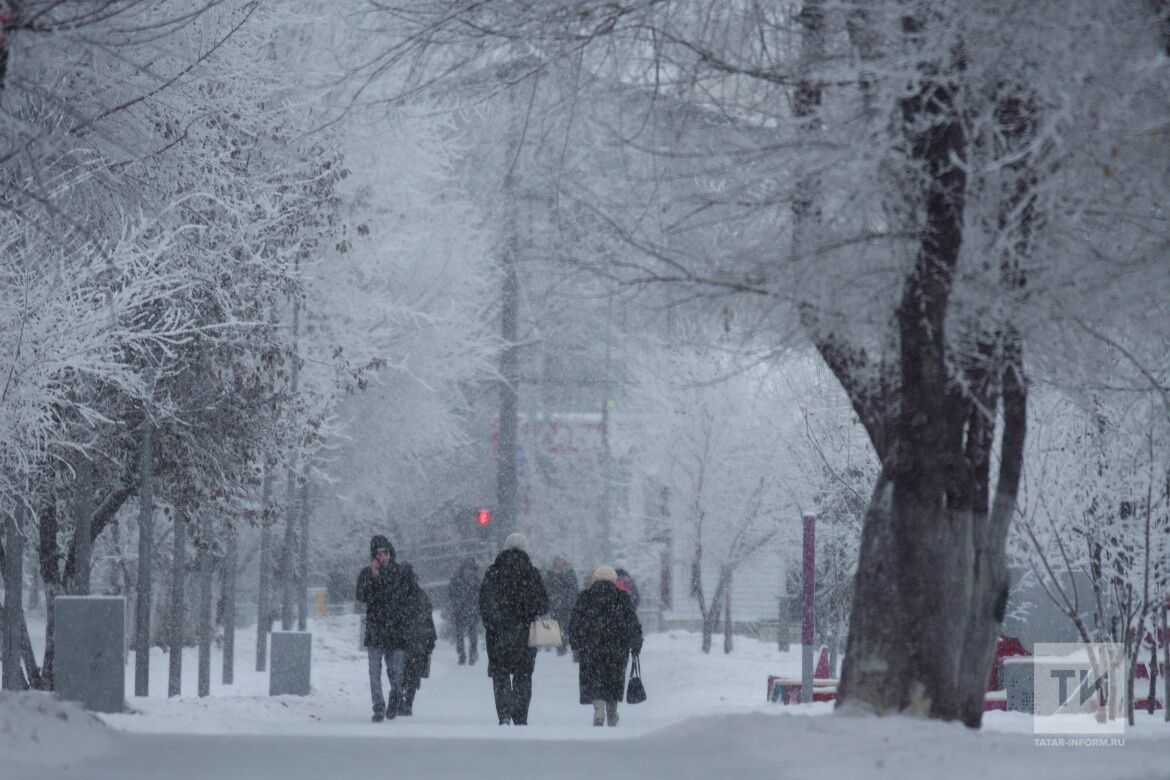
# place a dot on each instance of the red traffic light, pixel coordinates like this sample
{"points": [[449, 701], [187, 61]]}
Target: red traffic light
{"points": [[483, 517]]}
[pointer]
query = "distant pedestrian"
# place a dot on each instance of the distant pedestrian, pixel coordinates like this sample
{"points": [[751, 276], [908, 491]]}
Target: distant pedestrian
{"points": [[510, 598], [462, 597], [390, 604], [561, 583], [420, 643], [626, 583], [605, 632]]}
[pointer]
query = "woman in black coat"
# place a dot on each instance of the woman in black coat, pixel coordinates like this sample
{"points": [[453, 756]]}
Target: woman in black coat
{"points": [[420, 643], [510, 598], [604, 631]]}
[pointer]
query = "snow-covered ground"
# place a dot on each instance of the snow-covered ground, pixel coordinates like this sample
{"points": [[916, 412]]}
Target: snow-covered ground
{"points": [[706, 716]]}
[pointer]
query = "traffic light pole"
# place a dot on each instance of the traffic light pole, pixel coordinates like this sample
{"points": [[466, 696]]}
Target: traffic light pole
{"points": [[507, 479]]}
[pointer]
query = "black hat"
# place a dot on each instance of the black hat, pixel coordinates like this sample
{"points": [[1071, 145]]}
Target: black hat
{"points": [[380, 542]]}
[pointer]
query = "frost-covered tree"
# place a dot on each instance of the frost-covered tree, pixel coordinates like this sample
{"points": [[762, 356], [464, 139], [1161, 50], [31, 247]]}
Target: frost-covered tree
{"points": [[925, 192]]}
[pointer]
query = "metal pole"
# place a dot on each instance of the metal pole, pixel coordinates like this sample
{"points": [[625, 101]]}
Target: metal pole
{"points": [[507, 476], [145, 554], [808, 618], [263, 611], [175, 630], [286, 553], [82, 531], [606, 492], [303, 562]]}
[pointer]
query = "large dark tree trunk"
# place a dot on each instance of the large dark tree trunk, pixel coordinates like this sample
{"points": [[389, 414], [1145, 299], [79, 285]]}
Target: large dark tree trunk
{"points": [[932, 582]]}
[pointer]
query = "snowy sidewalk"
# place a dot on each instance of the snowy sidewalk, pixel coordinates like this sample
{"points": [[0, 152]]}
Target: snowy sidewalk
{"points": [[706, 717]]}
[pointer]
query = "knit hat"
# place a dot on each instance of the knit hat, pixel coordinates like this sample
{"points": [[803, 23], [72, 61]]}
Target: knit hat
{"points": [[604, 574], [379, 542], [516, 541], [620, 563]]}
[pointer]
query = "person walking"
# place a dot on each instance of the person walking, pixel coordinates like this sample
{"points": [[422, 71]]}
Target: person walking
{"points": [[626, 583], [605, 632], [462, 594], [390, 603], [561, 583], [510, 598], [420, 642]]}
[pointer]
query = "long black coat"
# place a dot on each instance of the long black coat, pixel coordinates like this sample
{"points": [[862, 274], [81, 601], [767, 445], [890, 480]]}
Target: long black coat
{"points": [[604, 630], [420, 641], [462, 593], [390, 606], [510, 598], [562, 594]]}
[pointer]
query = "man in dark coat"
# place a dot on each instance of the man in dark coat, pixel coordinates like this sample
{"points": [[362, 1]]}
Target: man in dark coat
{"points": [[462, 595], [561, 583], [420, 643], [605, 631], [626, 583], [390, 604], [510, 598]]}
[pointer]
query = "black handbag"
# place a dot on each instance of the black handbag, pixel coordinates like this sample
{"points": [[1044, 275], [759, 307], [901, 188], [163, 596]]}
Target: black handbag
{"points": [[635, 690]]}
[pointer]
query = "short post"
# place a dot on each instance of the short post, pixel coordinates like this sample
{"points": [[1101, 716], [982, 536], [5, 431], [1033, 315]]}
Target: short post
{"points": [[808, 617], [290, 659], [89, 634]]}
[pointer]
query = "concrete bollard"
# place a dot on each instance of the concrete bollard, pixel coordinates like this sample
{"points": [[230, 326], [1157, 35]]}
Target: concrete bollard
{"points": [[89, 634], [289, 661]]}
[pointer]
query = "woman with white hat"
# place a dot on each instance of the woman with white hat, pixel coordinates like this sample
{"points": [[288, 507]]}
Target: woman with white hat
{"points": [[604, 631]]}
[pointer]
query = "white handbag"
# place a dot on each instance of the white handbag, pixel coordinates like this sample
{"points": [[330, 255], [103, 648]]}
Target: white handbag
{"points": [[544, 632]]}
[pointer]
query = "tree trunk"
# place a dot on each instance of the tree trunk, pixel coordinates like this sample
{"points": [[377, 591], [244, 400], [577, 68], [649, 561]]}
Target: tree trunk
{"points": [[1166, 660], [712, 614], [83, 540], [913, 590], [13, 557], [49, 555], [229, 607], [142, 598], [1153, 692], [727, 622], [175, 630], [34, 596], [990, 584], [264, 589], [205, 575]]}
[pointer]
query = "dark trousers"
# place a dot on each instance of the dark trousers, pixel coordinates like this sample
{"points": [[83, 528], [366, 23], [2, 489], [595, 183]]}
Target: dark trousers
{"points": [[513, 694], [467, 627]]}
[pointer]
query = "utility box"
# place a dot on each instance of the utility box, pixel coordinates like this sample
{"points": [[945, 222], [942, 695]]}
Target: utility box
{"points": [[1019, 683], [89, 665], [289, 660]]}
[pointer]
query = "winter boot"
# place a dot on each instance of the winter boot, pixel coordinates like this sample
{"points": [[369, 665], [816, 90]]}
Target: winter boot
{"points": [[611, 715], [462, 659], [598, 713], [471, 659], [378, 716], [406, 706]]}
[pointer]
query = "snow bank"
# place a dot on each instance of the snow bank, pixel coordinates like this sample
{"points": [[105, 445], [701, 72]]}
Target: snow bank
{"points": [[40, 731]]}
